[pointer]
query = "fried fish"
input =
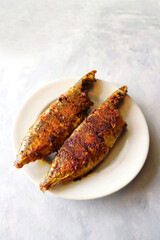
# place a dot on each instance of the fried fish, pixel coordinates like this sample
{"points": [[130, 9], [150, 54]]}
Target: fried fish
{"points": [[52, 128], [88, 144]]}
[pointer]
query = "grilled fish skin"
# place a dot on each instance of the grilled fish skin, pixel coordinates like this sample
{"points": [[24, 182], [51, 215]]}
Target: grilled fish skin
{"points": [[89, 143], [52, 128]]}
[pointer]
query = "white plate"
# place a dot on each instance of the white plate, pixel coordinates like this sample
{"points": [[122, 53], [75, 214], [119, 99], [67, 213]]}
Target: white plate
{"points": [[117, 170]]}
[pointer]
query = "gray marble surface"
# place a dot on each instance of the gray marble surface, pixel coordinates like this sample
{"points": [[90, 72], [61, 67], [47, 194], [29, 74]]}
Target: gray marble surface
{"points": [[41, 41]]}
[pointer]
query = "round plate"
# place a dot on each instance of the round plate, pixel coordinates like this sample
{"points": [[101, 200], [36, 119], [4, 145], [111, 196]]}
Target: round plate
{"points": [[117, 170]]}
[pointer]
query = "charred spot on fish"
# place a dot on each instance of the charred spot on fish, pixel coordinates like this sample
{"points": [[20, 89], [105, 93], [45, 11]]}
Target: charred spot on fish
{"points": [[120, 93], [51, 139], [62, 97], [77, 179], [100, 134], [33, 155], [93, 111], [79, 114]]}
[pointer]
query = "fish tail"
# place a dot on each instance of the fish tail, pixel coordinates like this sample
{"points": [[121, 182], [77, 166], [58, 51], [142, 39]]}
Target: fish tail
{"points": [[118, 96], [87, 81], [45, 185], [20, 162]]}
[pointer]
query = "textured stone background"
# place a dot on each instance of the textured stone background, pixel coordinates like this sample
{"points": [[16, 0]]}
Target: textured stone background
{"points": [[41, 41]]}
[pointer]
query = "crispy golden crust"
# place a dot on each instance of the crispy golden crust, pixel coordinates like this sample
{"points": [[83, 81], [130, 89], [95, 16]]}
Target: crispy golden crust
{"points": [[52, 128], [88, 144]]}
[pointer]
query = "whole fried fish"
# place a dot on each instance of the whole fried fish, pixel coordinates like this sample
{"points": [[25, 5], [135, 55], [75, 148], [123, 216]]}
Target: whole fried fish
{"points": [[89, 143], [52, 128]]}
